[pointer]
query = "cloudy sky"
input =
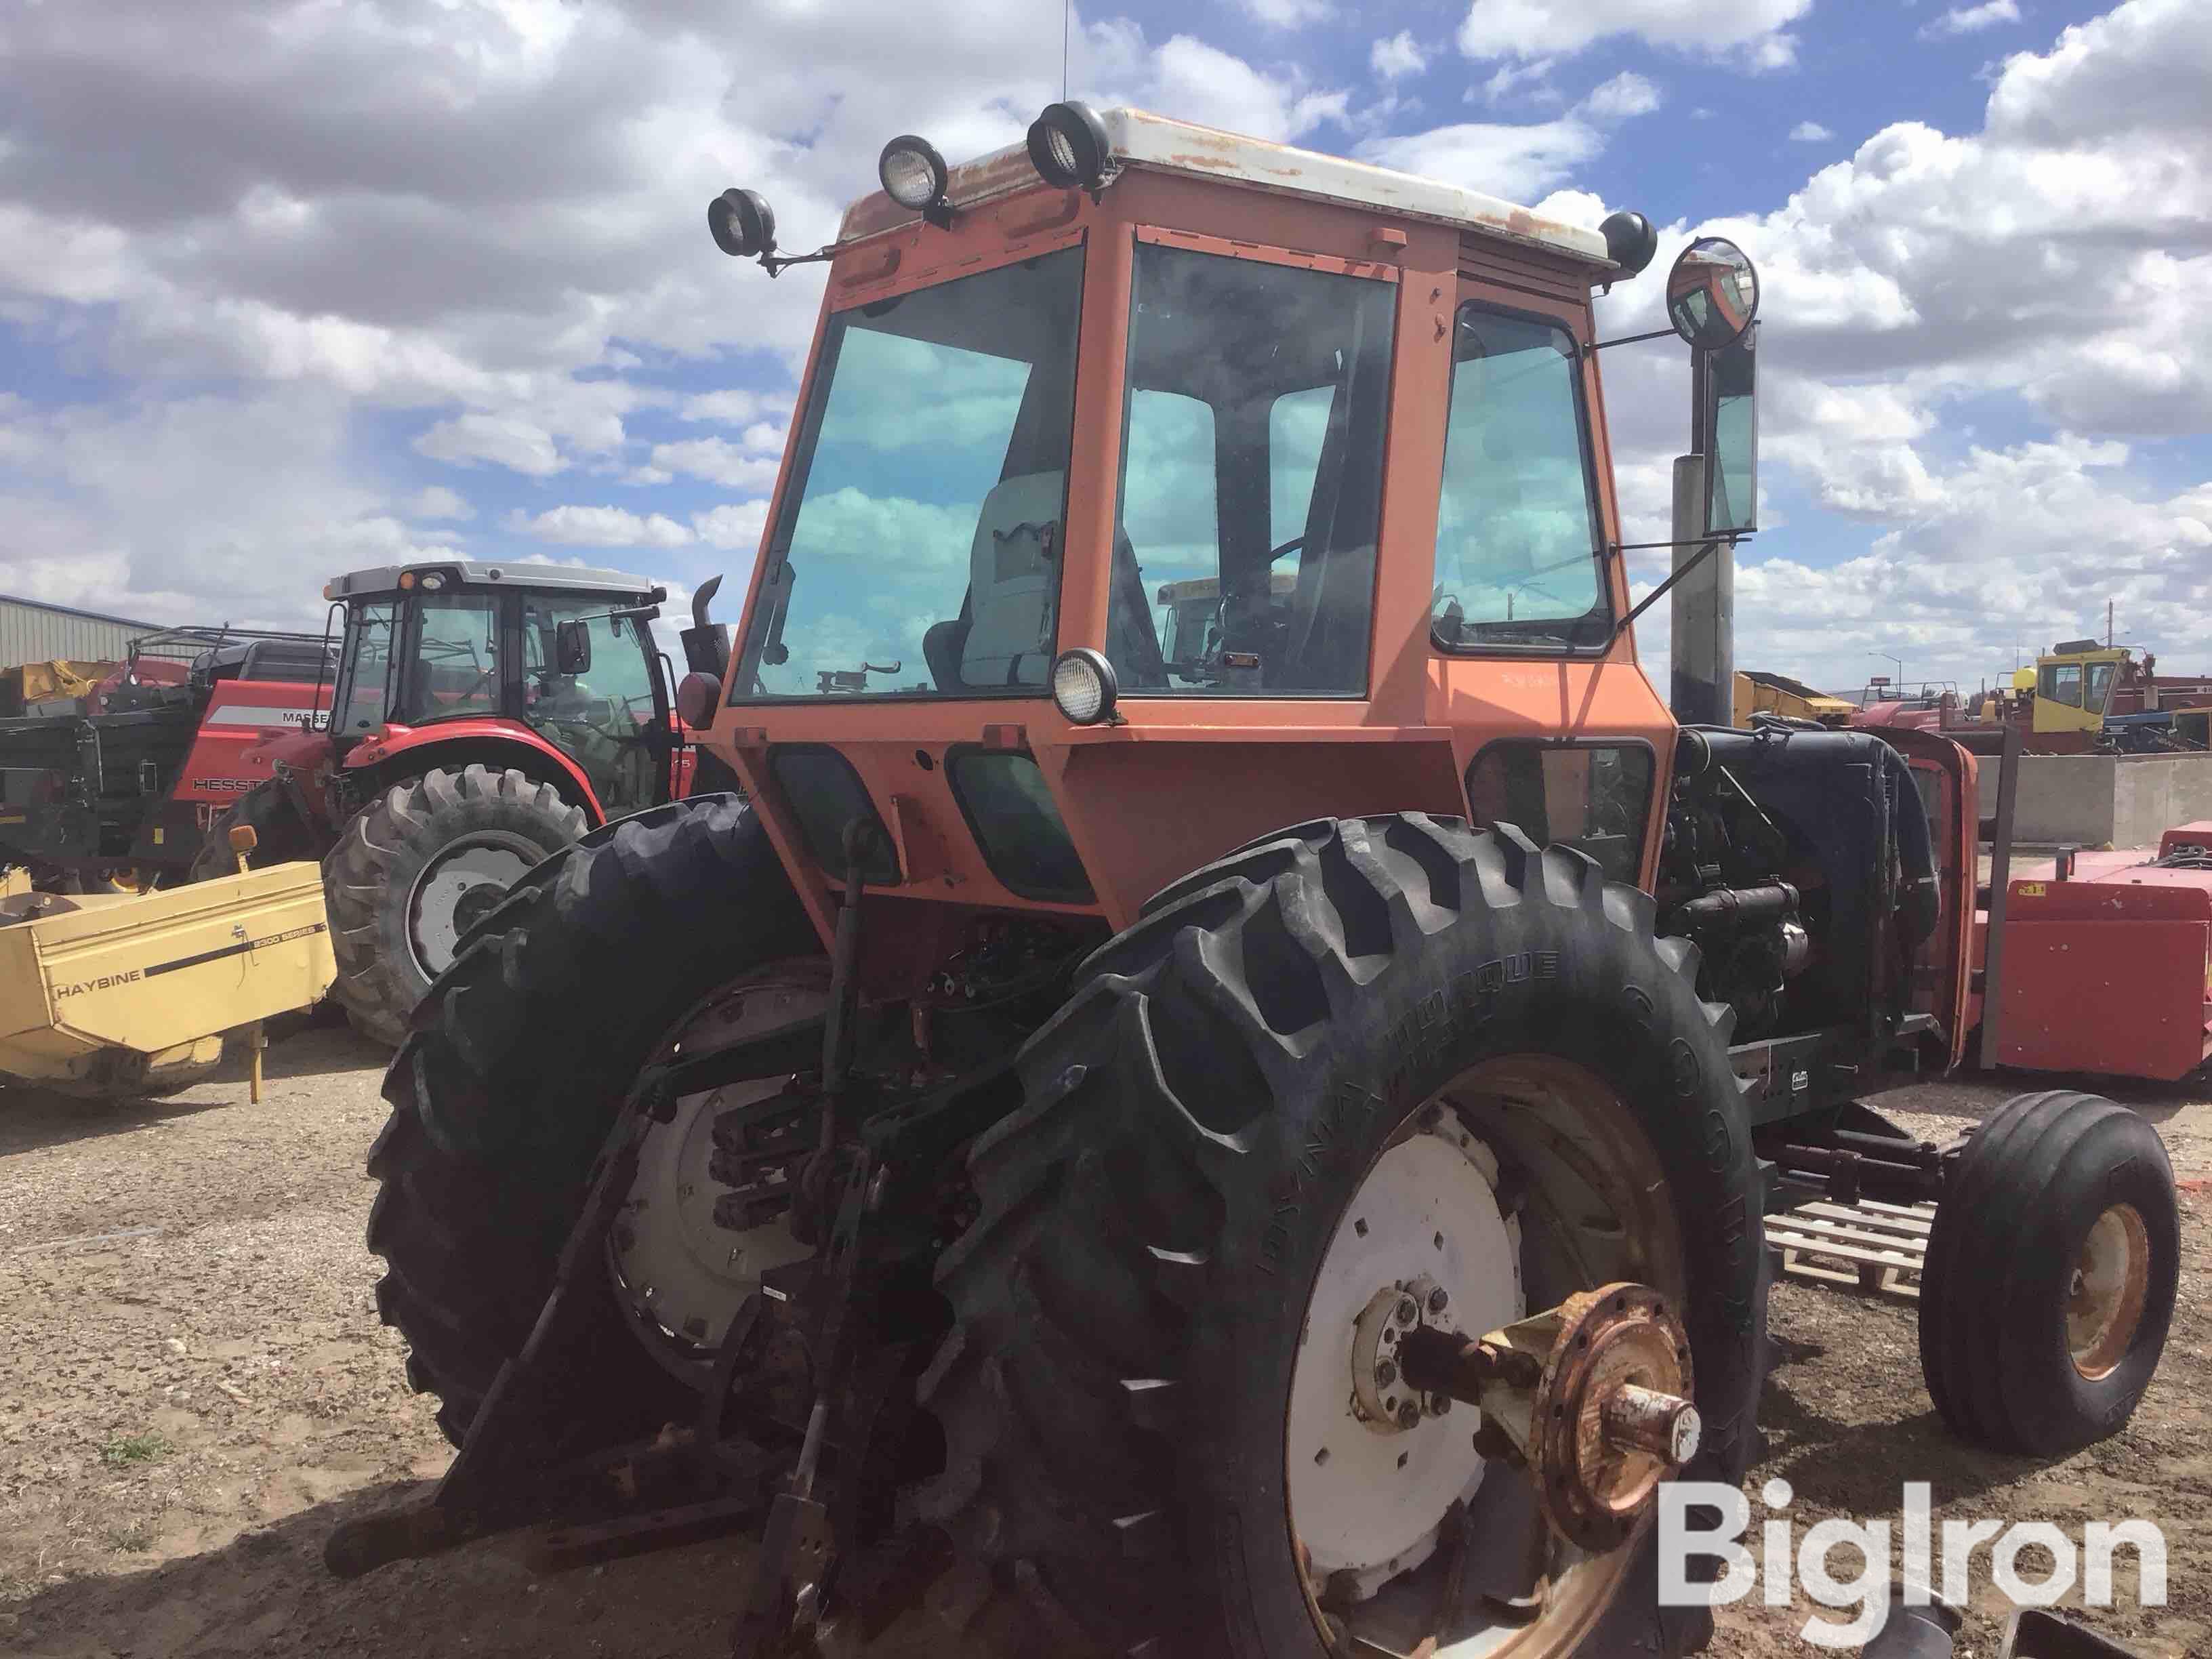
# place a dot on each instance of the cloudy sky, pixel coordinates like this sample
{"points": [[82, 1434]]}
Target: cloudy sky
{"points": [[292, 286]]}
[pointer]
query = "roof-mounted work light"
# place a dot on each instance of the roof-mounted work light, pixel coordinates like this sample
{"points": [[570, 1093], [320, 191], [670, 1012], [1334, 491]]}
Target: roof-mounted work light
{"points": [[915, 176], [742, 224], [1068, 148]]}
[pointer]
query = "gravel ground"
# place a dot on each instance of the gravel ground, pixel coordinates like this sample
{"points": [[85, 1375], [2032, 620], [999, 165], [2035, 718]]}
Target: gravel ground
{"points": [[195, 1389]]}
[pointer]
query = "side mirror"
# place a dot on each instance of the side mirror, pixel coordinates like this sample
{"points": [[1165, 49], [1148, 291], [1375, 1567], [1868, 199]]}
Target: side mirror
{"points": [[1727, 435], [572, 648], [1712, 294]]}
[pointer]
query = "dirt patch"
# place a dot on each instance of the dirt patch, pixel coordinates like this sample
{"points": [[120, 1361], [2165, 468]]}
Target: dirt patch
{"points": [[196, 1389]]}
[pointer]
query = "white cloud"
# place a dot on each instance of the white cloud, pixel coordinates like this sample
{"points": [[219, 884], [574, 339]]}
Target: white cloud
{"points": [[438, 503], [601, 526], [1624, 95], [718, 461], [1518, 162], [1535, 28], [1288, 13], [734, 524], [1971, 20], [202, 509], [1809, 132], [734, 407], [508, 440], [1532, 79], [1397, 55], [1930, 280]]}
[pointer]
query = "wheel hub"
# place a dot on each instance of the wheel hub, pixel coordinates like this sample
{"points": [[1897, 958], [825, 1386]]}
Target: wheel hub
{"points": [[1373, 1464], [455, 889], [2110, 1286], [681, 1274]]}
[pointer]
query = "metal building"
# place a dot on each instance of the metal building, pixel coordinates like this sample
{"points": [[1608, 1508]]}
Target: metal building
{"points": [[32, 630]]}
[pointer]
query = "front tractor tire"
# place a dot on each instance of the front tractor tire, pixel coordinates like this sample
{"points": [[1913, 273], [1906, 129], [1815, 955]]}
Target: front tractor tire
{"points": [[2052, 1272], [1363, 1053], [415, 870]]}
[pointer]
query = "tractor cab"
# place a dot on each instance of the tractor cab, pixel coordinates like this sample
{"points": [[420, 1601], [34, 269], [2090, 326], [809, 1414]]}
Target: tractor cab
{"points": [[433, 654], [1155, 462]]}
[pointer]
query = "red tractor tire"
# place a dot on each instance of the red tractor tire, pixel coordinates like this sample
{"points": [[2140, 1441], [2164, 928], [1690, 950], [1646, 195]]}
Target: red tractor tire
{"points": [[414, 870]]}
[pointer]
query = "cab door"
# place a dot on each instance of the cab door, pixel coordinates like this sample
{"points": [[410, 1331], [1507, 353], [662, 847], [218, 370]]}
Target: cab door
{"points": [[610, 716]]}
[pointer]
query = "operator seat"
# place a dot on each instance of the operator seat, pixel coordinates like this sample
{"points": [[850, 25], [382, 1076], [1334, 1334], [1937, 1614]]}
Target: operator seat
{"points": [[1013, 576]]}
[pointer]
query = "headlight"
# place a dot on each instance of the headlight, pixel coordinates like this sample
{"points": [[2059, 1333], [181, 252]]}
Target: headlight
{"points": [[912, 172], [742, 224], [1084, 686], [1068, 147]]}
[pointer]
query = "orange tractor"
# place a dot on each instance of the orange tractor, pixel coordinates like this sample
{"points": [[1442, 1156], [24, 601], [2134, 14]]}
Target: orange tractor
{"points": [[1257, 1149]]}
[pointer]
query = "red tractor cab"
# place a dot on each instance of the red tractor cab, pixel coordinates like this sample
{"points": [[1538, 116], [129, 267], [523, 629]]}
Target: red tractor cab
{"points": [[482, 716]]}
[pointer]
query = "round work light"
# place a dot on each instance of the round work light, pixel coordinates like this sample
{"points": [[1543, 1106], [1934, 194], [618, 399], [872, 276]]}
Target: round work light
{"points": [[742, 224], [912, 172], [1084, 686], [1068, 147]]}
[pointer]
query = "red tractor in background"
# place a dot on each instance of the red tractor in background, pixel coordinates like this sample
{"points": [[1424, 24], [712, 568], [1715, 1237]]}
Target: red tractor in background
{"points": [[485, 715]]}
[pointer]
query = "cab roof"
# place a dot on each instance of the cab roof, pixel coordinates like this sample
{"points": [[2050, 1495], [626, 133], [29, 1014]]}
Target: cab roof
{"points": [[1139, 139], [470, 573]]}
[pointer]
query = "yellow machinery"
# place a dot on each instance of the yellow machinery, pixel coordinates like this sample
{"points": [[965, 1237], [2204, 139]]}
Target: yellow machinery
{"points": [[1777, 694], [2073, 686], [116, 995]]}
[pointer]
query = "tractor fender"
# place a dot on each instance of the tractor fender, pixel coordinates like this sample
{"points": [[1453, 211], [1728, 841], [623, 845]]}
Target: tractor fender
{"points": [[405, 750]]}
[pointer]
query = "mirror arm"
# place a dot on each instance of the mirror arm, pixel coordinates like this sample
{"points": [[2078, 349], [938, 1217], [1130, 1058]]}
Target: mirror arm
{"points": [[777, 264], [1704, 552], [1630, 339]]}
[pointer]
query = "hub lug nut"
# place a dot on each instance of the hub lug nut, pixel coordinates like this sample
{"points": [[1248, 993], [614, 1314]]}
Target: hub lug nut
{"points": [[1409, 1311], [1385, 1373], [1438, 1301]]}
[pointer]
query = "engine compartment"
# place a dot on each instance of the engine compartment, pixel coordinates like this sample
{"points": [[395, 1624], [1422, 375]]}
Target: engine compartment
{"points": [[1799, 862]]}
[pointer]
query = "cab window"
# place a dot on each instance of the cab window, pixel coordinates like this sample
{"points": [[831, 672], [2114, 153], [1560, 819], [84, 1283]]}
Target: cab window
{"points": [[2097, 687], [604, 715], [453, 658], [1243, 562], [1520, 555], [361, 694], [918, 553], [2061, 683]]}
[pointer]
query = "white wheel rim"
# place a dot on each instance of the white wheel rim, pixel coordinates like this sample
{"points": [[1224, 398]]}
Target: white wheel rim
{"points": [[1366, 1496], [679, 1272], [440, 909]]}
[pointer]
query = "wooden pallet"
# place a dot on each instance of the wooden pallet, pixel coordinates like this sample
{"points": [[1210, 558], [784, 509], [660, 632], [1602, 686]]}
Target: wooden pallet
{"points": [[1869, 1245]]}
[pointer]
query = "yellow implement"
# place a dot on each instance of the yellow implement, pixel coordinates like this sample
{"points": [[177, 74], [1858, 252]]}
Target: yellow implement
{"points": [[116, 995], [1778, 694]]}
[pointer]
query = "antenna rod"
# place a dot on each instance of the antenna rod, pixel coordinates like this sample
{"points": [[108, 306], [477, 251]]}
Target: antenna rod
{"points": [[1066, 12]]}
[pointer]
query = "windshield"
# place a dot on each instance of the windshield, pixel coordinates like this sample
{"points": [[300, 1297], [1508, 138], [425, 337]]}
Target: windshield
{"points": [[1519, 555], [918, 550]]}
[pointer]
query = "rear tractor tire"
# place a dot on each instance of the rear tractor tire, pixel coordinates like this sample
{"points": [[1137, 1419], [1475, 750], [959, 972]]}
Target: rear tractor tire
{"points": [[2051, 1276], [505, 1091], [412, 872], [1365, 1075]]}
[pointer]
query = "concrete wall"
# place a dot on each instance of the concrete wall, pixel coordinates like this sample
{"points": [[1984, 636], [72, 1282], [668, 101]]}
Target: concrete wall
{"points": [[2109, 800], [2154, 792]]}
